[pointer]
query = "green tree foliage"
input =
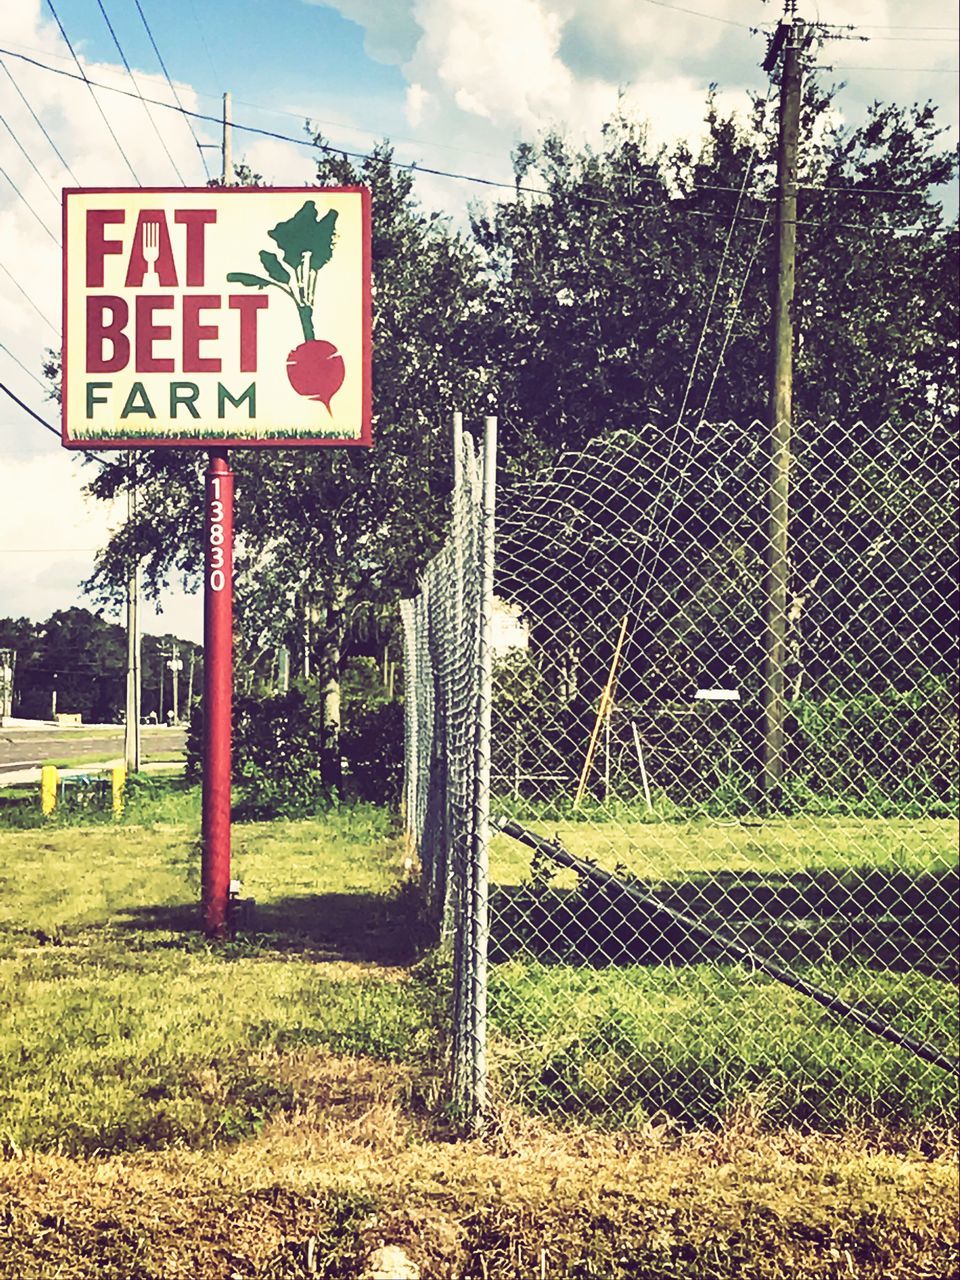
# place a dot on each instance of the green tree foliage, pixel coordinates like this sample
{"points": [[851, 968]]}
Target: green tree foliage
{"points": [[320, 532], [625, 285], [605, 274], [632, 291], [83, 658]]}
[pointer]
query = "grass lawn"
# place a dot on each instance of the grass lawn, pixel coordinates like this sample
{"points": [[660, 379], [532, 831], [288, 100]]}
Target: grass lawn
{"points": [[169, 1108], [666, 851]]}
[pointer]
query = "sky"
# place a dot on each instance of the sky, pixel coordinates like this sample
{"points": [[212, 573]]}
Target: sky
{"points": [[454, 84]]}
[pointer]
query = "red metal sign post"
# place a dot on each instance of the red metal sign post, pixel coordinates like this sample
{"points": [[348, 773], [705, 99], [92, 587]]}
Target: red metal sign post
{"points": [[217, 692], [192, 320]]}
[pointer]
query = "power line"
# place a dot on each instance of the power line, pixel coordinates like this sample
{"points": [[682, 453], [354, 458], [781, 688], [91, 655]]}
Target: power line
{"points": [[888, 26], [39, 123], [176, 96], [27, 156], [203, 40], [29, 206], [695, 13], [308, 142], [848, 66], [293, 115], [446, 173], [754, 156], [46, 319], [91, 457], [89, 84], [904, 192], [123, 59], [732, 319], [909, 39], [26, 370], [26, 408], [716, 283]]}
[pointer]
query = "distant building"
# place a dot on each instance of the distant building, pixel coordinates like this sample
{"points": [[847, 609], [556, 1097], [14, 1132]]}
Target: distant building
{"points": [[509, 630]]}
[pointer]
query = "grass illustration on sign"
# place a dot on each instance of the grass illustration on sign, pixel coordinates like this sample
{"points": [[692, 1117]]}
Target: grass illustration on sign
{"points": [[315, 367]]}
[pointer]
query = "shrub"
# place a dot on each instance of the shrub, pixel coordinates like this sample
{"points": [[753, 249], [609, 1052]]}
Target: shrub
{"points": [[371, 743], [278, 757]]}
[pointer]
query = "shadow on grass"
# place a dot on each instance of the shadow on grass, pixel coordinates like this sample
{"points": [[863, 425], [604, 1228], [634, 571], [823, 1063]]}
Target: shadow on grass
{"points": [[877, 918], [358, 927]]}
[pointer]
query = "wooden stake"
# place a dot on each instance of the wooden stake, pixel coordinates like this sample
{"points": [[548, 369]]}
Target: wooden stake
{"points": [[603, 710]]}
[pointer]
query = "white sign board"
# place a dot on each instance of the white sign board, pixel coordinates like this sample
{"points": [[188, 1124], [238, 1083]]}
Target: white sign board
{"points": [[216, 317]]}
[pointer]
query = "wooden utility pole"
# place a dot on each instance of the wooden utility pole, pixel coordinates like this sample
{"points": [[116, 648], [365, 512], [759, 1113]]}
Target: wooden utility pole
{"points": [[226, 173], [789, 37]]}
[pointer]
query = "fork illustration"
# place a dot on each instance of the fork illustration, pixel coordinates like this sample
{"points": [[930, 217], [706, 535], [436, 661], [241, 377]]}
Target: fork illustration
{"points": [[150, 244]]}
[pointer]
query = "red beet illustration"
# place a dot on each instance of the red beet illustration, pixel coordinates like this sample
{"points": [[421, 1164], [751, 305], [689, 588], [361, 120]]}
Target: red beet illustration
{"points": [[315, 370]]}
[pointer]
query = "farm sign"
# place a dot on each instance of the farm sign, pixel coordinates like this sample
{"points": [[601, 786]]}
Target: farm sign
{"points": [[216, 316]]}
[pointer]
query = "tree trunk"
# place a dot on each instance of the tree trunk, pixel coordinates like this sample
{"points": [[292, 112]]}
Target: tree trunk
{"points": [[329, 680]]}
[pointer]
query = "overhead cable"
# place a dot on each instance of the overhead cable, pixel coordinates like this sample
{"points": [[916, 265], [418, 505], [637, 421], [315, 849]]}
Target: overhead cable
{"points": [[19, 287], [456, 176], [6, 175], [27, 156], [29, 372], [146, 107], [173, 89], [89, 84], [39, 123]]}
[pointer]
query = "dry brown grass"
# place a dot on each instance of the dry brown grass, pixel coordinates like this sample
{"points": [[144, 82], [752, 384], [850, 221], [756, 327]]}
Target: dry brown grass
{"points": [[357, 1166]]}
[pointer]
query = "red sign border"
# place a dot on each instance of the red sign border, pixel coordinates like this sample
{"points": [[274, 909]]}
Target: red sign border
{"points": [[365, 438]]}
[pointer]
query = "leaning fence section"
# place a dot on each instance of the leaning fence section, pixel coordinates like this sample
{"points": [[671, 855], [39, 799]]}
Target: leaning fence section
{"points": [[448, 672], [688, 913]]}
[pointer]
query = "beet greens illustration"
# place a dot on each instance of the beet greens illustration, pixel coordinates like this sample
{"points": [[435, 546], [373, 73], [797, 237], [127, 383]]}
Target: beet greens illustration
{"points": [[314, 368]]}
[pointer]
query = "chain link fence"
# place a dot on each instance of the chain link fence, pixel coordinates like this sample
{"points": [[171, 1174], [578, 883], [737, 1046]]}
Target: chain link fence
{"points": [[448, 665], [688, 912]]}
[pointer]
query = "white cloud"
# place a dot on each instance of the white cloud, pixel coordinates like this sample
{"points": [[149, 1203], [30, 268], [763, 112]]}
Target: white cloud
{"points": [[49, 531], [497, 70], [498, 58], [479, 75], [417, 104]]}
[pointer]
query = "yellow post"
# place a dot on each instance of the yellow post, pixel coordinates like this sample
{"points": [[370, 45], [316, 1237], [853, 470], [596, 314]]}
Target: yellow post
{"points": [[604, 709], [118, 780], [48, 789]]}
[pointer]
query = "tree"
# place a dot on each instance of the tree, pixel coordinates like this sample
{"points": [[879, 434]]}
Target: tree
{"points": [[322, 531], [83, 658], [604, 274]]}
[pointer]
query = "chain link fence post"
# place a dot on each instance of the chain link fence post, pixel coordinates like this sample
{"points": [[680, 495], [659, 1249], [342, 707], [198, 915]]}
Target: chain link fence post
{"points": [[470, 1033]]}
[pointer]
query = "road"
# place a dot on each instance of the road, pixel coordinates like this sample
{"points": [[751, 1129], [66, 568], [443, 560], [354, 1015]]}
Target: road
{"points": [[26, 748]]}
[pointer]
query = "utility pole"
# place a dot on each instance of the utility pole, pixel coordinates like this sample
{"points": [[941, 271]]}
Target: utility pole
{"points": [[176, 666], [227, 166], [789, 38], [163, 662], [193, 661], [131, 732]]}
